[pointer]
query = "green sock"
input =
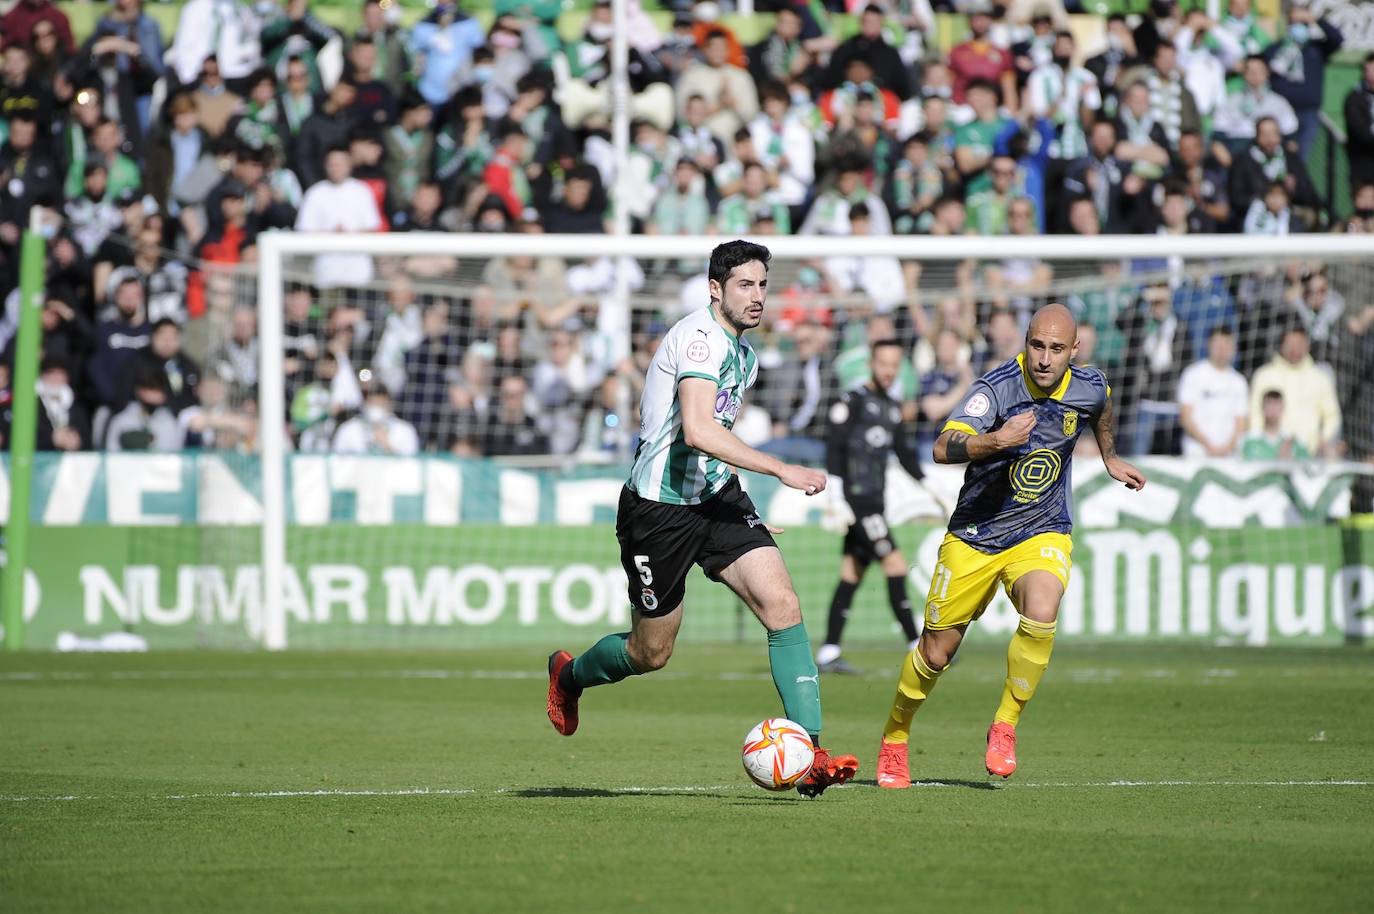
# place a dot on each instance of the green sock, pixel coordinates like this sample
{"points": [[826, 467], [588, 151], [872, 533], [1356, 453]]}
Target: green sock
{"points": [[604, 662], [795, 675]]}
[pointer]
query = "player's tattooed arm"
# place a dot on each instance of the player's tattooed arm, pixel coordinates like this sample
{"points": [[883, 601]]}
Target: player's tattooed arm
{"points": [[1102, 431], [955, 446], [1119, 469]]}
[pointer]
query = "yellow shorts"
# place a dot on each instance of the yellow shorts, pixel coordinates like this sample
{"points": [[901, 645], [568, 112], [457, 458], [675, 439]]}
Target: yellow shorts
{"points": [[965, 580]]}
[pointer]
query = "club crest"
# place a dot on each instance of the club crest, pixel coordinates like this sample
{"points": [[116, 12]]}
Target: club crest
{"points": [[1070, 423]]}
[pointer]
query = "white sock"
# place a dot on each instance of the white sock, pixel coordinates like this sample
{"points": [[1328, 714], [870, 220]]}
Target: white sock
{"points": [[828, 653], [911, 645]]}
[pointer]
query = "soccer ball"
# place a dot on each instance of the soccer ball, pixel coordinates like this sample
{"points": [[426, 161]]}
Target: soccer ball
{"points": [[777, 753]]}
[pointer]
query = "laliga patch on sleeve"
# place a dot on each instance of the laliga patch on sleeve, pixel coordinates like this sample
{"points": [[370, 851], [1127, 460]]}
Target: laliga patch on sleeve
{"points": [[698, 350], [977, 405], [839, 412]]}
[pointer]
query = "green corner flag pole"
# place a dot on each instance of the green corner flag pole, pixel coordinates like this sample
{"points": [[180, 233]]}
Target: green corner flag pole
{"points": [[23, 430]]}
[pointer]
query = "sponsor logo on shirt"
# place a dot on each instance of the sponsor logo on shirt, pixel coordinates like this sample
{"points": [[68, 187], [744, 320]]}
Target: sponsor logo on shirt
{"points": [[727, 405], [1034, 473]]}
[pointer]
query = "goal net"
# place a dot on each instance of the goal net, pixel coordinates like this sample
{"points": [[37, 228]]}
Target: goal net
{"points": [[444, 424]]}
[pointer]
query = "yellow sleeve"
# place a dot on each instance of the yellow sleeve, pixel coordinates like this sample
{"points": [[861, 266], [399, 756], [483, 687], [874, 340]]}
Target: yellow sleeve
{"points": [[954, 425]]}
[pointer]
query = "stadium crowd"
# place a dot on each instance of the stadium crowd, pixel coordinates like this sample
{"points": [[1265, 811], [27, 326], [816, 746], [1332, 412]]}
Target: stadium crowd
{"points": [[154, 162]]}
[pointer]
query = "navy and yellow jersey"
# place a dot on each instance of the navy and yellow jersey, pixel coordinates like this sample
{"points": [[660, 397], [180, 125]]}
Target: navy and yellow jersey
{"points": [[1013, 495]]}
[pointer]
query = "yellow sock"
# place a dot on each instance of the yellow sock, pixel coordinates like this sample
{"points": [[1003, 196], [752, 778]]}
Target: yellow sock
{"points": [[1027, 657], [912, 688]]}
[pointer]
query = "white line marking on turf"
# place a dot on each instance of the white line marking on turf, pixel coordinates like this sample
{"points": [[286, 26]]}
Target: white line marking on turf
{"points": [[589, 790], [259, 795]]}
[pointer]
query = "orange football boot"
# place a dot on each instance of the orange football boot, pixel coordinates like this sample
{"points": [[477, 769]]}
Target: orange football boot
{"points": [[892, 766], [562, 704], [826, 771], [1001, 758]]}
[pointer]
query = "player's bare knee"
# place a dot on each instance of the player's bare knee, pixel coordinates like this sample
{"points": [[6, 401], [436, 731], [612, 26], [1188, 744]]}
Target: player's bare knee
{"points": [[784, 610], [649, 657], [939, 647], [894, 564], [1041, 612]]}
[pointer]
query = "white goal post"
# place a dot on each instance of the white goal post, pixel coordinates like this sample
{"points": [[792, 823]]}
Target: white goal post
{"points": [[274, 250]]}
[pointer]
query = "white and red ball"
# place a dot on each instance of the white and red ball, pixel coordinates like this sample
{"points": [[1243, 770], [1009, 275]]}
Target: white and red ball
{"points": [[777, 753]]}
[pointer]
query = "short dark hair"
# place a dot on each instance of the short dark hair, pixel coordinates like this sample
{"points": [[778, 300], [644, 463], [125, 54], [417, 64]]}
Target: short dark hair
{"points": [[884, 343], [985, 84], [1221, 330], [1272, 394], [149, 378], [733, 254], [54, 363]]}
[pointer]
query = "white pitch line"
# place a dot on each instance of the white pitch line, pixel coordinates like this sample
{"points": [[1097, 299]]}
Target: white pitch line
{"points": [[573, 791], [257, 795]]}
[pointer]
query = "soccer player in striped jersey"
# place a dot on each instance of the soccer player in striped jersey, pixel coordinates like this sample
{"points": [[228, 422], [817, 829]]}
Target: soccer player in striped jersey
{"points": [[683, 505], [1016, 430]]}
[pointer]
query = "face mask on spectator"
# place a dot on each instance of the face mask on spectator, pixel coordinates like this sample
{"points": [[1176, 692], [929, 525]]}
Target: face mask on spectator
{"points": [[376, 414], [483, 74], [1298, 32], [600, 32]]}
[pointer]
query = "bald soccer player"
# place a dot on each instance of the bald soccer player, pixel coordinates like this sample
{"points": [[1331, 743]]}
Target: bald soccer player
{"points": [[1016, 430]]}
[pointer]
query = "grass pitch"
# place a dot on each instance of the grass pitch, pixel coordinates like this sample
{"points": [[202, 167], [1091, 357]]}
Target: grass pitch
{"points": [[1152, 778]]}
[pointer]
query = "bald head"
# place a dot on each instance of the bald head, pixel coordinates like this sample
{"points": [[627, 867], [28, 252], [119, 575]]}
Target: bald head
{"points": [[1051, 343], [1056, 316]]}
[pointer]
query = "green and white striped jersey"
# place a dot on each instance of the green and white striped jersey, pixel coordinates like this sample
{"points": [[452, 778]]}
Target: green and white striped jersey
{"points": [[665, 468], [1060, 96]]}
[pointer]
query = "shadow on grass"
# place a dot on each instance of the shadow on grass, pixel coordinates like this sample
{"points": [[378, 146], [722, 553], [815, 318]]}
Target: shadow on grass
{"points": [[594, 792]]}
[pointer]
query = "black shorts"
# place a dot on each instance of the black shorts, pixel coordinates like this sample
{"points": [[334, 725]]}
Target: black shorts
{"points": [[869, 539], [660, 542]]}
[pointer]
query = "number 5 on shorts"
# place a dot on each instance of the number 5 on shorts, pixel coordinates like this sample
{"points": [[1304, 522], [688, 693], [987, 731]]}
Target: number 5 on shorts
{"points": [[646, 574]]}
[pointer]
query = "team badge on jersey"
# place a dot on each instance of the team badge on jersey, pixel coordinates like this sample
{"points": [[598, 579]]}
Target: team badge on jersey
{"points": [[1070, 423]]}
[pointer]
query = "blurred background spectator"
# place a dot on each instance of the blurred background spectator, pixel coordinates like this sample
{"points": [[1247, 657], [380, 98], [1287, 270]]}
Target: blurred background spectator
{"points": [[156, 155]]}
